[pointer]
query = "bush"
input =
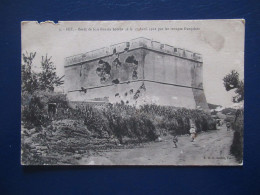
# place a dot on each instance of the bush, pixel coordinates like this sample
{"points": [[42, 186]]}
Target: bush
{"points": [[94, 121], [177, 120], [33, 114], [144, 124], [35, 107], [125, 121], [237, 145], [119, 120]]}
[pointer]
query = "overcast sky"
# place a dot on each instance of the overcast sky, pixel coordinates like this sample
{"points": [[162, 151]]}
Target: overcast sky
{"points": [[221, 43]]}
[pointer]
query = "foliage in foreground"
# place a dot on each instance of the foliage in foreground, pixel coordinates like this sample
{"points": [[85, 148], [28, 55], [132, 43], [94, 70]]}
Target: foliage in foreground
{"points": [[80, 130], [119, 120], [237, 144]]}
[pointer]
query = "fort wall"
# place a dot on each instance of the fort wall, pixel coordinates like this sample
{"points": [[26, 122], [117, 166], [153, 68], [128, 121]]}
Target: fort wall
{"points": [[137, 72]]}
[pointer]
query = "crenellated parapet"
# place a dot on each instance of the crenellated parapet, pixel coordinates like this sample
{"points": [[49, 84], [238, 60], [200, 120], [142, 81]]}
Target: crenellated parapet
{"points": [[133, 44]]}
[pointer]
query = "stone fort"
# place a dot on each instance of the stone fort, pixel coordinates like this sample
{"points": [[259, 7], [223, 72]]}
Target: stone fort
{"points": [[141, 71]]}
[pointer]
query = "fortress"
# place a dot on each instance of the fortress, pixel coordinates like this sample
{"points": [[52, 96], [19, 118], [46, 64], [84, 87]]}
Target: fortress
{"points": [[141, 71]]}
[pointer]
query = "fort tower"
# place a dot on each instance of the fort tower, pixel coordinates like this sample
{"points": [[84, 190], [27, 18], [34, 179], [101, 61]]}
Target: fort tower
{"points": [[137, 72]]}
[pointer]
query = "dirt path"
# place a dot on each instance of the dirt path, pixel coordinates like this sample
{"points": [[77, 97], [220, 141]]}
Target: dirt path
{"points": [[209, 148]]}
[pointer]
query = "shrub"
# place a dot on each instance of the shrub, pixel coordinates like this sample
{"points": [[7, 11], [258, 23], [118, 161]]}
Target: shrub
{"points": [[237, 145], [94, 120], [118, 120], [33, 114], [127, 121], [34, 107], [177, 120]]}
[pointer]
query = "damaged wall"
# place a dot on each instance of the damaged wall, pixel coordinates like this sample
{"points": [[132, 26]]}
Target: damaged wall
{"points": [[137, 74]]}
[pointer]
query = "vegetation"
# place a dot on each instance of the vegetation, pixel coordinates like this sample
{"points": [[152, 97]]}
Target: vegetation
{"points": [[35, 107], [47, 77], [44, 80], [144, 123], [231, 81], [88, 126], [37, 90], [123, 120], [29, 78], [237, 144]]}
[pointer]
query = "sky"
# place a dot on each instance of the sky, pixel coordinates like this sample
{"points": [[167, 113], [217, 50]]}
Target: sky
{"points": [[221, 43]]}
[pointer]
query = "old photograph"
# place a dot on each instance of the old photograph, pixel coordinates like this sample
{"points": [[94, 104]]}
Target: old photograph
{"points": [[158, 92]]}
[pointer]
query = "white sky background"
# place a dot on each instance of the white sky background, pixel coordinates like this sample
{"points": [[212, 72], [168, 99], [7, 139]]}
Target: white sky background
{"points": [[221, 43]]}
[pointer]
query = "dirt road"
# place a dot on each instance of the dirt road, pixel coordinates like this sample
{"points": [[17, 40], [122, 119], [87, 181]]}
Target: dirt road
{"points": [[209, 148]]}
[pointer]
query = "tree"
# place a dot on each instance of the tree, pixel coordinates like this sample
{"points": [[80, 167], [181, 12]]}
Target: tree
{"points": [[231, 81], [48, 78], [29, 78], [45, 80]]}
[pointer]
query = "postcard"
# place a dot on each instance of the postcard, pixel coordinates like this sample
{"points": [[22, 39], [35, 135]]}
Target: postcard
{"points": [[158, 92]]}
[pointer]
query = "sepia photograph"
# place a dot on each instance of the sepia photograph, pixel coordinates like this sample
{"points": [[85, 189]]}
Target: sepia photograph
{"points": [[158, 92]]}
